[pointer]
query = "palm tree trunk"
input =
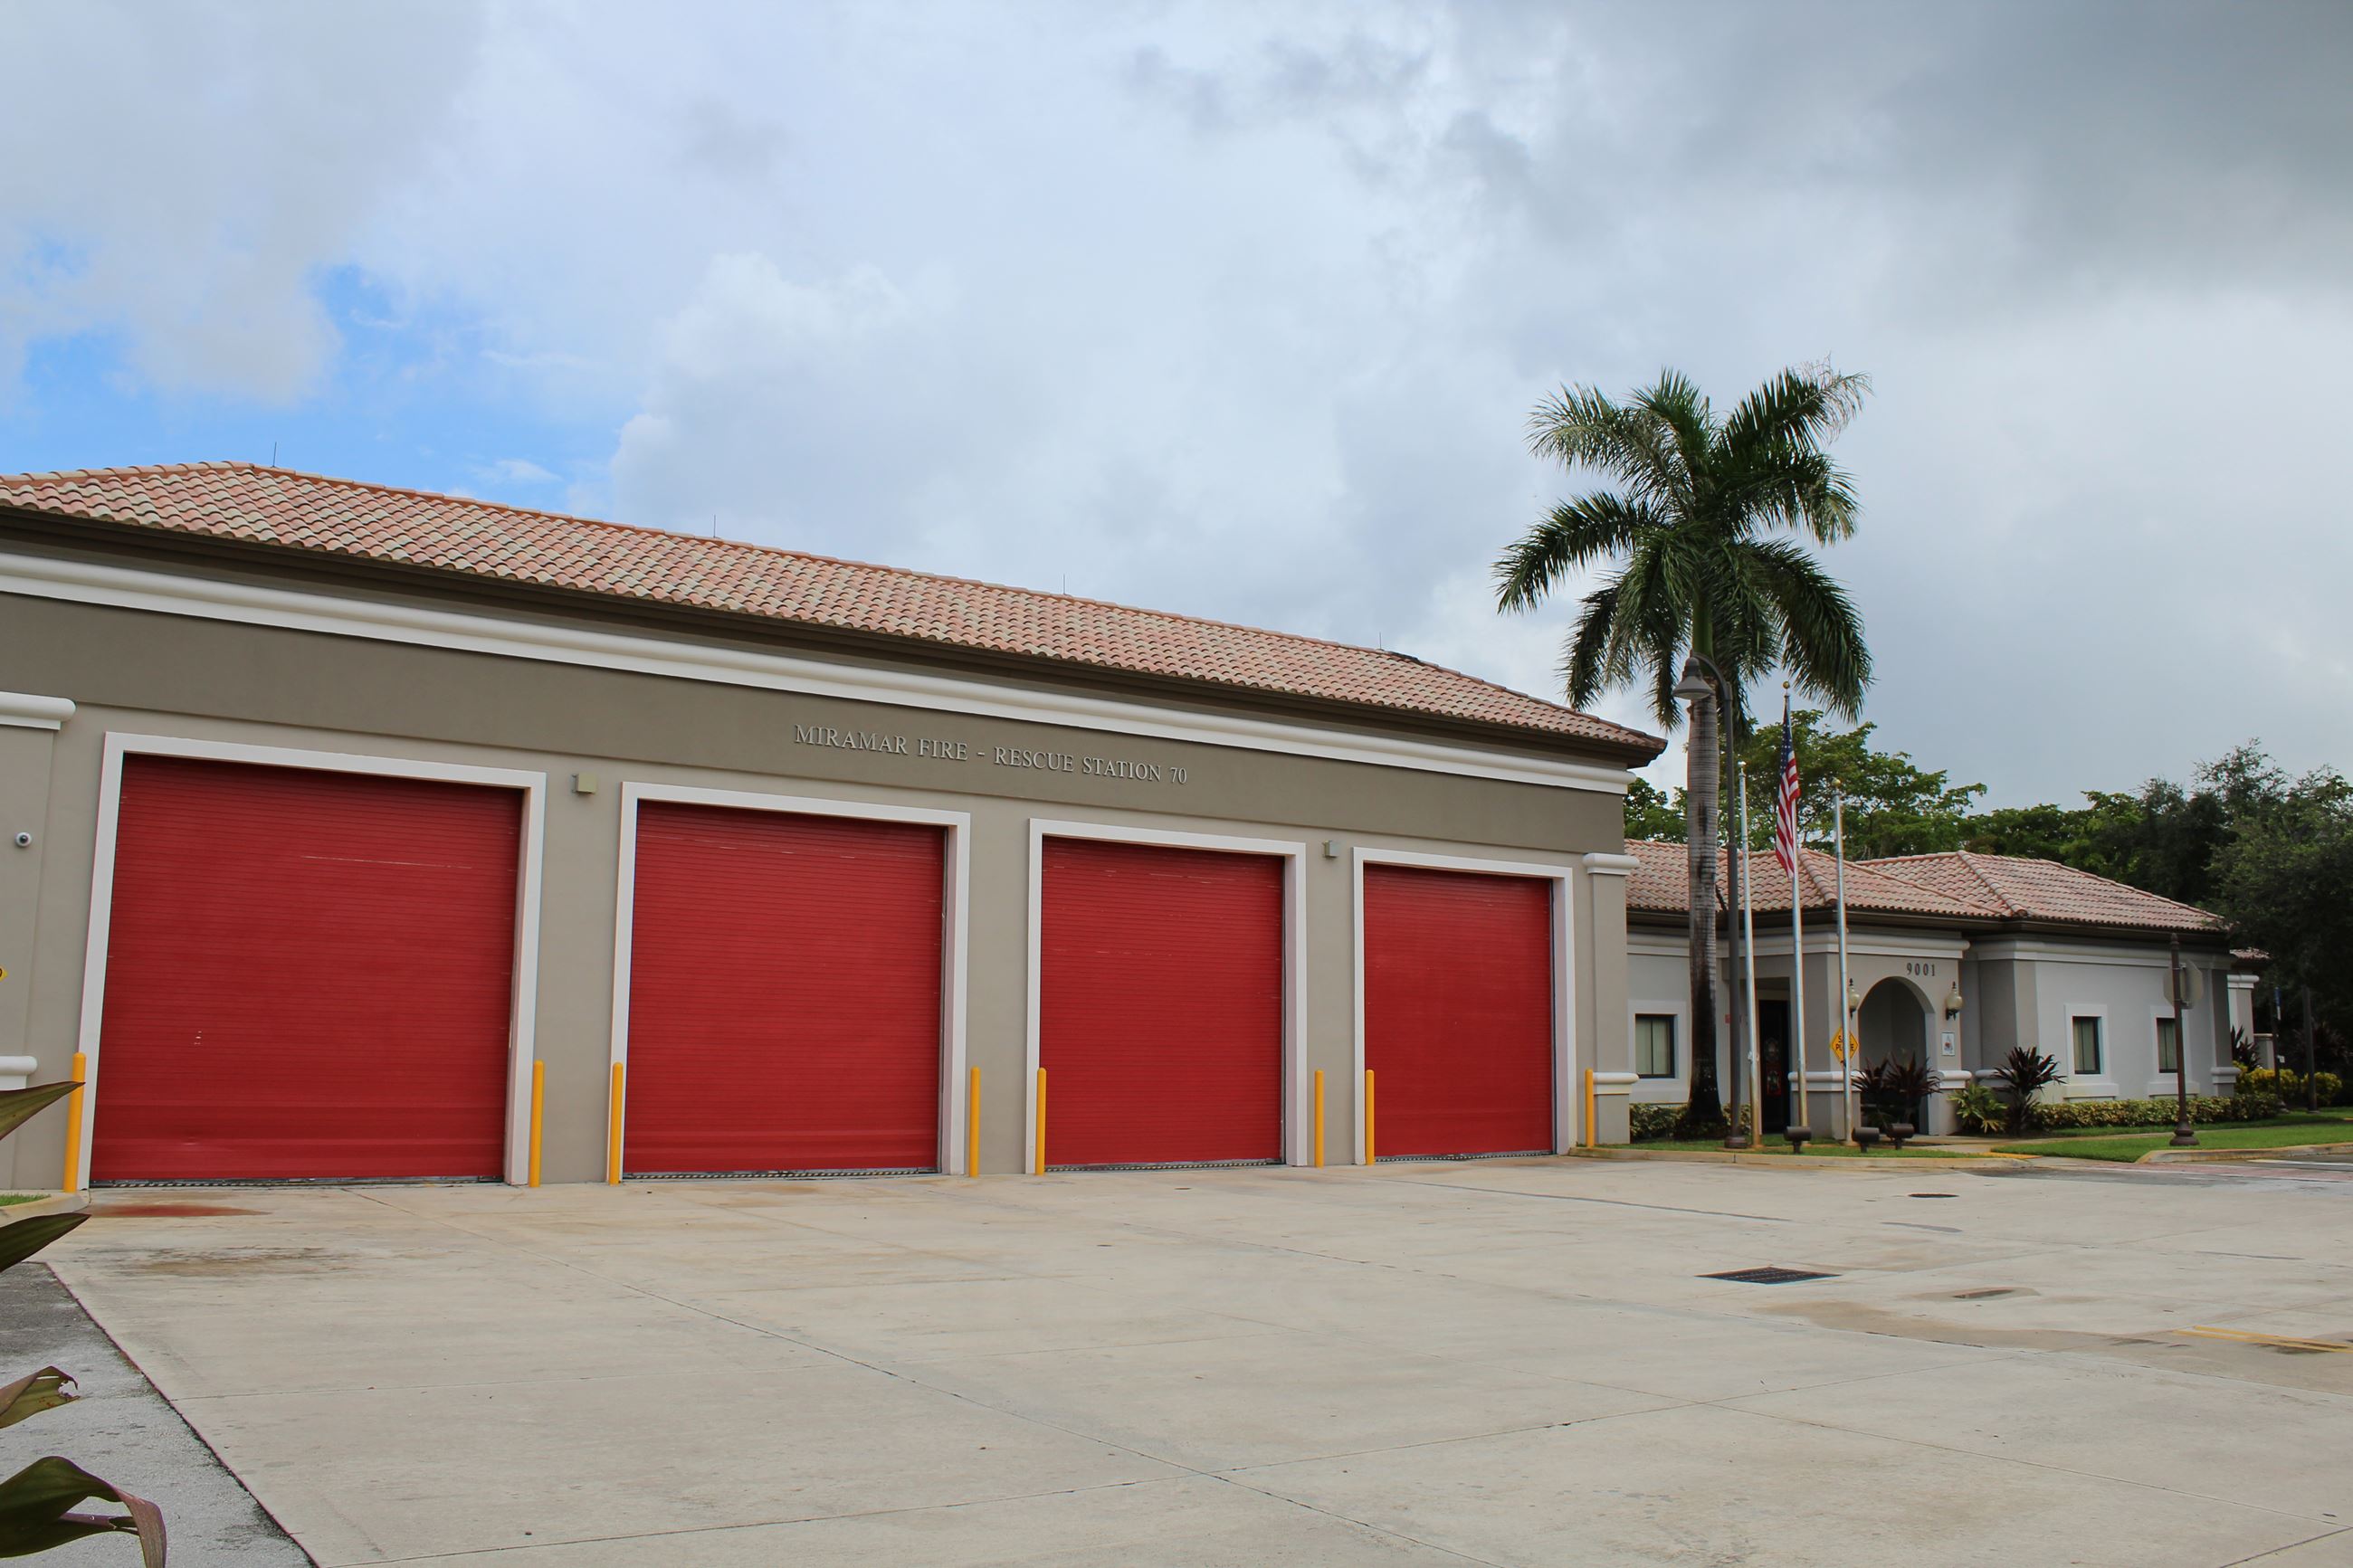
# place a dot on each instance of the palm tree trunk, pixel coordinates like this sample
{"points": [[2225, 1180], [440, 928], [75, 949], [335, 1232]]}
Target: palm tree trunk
{"points": [[1704, 1110]]}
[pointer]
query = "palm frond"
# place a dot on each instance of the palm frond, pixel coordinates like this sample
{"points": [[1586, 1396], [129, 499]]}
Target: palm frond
{"points": [[1580, 427], [1800, 409], [1681, 412], [1574, 535], [1822, 632]]}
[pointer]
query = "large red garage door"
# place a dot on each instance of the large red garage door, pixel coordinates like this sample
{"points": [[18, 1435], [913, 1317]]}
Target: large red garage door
{"points": [[308, 975], [784, 993], [1160, 1006], [1458, 1011]]}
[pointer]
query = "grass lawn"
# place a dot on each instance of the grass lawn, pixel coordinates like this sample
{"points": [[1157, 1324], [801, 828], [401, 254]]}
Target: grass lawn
{"points": [[2123, 1143], [8, 1198], [1777, 1145]]}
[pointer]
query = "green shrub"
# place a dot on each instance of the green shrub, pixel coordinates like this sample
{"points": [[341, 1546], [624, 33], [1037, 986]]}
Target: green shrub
{"points": [[1977, 1109], [1648, 1122], [2281, 1081], [2065, 1113], [1653, 1121], [2288, 1085]]}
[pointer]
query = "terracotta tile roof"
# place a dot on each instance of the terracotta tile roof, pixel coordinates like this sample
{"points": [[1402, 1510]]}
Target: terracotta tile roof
{"points": [[1659, 879], [2021, 888], [1973, 888], [255, 505]]}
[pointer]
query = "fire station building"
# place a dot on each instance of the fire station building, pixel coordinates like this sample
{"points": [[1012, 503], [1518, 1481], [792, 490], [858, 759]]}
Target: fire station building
{"points": [[355, 834]]}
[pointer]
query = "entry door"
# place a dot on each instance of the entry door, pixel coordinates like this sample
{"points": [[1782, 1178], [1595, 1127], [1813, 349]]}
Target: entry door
{"points": [[1773, 1059], [1459, 1010], [1160, 1005], [784, 988], [308, 975]]}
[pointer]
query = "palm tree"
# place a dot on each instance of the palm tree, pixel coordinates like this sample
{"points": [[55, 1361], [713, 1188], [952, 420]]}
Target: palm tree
{"points": [[1702, 586]]}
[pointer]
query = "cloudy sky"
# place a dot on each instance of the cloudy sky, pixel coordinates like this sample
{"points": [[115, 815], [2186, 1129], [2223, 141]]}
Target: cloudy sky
{"points": [[1239, 309]]}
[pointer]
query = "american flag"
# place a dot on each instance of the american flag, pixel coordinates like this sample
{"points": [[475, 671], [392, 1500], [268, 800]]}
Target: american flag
{"points": [[1785, 805]]}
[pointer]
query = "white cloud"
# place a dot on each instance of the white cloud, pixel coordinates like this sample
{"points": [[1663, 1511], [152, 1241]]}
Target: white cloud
{"points": [[180, 175], [1238, 312], [517, 471]]}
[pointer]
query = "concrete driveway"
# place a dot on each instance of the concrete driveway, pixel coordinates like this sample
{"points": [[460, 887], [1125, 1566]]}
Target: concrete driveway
{"points": [[1501, 1362]]}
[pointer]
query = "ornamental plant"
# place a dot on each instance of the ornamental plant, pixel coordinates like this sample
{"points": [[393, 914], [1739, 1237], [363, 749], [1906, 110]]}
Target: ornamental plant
{"points": [[39, 1504], [2024, 1073]]}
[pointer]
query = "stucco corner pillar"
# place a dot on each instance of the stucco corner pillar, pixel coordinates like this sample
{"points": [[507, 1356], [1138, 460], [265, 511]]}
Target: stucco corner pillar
{"points": [[1604, 1026], [32, 1158]]}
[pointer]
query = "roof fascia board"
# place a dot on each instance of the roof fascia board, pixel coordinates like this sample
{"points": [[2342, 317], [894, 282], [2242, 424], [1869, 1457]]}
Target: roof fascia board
{"points": [[83, 580], [316, 567]]}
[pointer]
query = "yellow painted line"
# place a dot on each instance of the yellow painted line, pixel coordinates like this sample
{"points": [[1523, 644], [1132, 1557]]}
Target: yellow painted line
{"points": [[73, 1124], [538, 1114], [2282, 1341], [972, 1124], [1319, 1118], [613, 1132]]}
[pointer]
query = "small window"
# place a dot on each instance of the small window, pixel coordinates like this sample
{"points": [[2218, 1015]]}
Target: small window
{"points": [[2169, 1046], [2087, 1047], [1654, 1045]]}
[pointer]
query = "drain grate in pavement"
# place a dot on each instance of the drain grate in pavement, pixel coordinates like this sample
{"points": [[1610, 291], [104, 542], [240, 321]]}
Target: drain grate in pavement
{"points": [[1768, 1276], [1934, 1195]]}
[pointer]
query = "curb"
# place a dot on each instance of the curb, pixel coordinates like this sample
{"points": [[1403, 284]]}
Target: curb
{"points": [[2197, 1156], [1794, 1161], [56, 1203]]}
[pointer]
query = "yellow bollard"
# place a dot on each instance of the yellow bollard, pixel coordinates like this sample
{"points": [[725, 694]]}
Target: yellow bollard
{"points": [[1369, 1155], [972, 1124], [73, 1124], [1319, 1118], [613, 1132], [1038, 1167], [1591, 1139], [538, 1114]]}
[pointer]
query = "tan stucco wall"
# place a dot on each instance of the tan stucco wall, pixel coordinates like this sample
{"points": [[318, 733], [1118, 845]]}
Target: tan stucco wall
{"points": [[150, 673]]}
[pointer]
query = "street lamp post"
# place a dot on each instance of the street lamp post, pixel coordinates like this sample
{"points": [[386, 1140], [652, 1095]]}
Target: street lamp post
{"points": [[2184, 1135]]}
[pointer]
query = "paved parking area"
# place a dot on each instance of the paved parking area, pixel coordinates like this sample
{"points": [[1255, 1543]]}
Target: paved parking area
{"points": [[1500, 1362]]}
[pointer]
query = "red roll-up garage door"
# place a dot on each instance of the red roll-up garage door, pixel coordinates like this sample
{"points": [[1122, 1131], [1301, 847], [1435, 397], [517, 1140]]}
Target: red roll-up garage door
{"points": [[1458, 1010], [308, 975], [784, 993], [1160, 1005]]}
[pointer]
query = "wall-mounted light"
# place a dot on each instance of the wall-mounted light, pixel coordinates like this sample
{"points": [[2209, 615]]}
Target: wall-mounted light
{"points": [[1953, 1001]]}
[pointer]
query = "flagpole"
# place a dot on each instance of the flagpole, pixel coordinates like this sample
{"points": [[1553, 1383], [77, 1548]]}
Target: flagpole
{"points": [[1748, 951], [1846, 984], [1798, 988]]}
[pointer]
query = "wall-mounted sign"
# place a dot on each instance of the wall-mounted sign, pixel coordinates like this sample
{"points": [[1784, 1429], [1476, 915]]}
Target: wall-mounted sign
{"points": [[1134, 770]]}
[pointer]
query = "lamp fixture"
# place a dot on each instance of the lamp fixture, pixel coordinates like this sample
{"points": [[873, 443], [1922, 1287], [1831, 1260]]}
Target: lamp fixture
{"points": [[1953, 1001]]}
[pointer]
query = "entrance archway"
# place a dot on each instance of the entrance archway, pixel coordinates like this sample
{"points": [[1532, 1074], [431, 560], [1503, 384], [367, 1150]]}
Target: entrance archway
{"points": [[1893, 1026]]}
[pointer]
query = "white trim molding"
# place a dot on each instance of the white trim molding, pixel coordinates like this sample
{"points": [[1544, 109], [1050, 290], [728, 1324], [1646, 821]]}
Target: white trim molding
{"points": [[15, 1071], [956, 901], [1567, 1106], [523, 1012], [27, 712], [1598, 864], [1614, 1082], [1297, 1134], [549, 641]]}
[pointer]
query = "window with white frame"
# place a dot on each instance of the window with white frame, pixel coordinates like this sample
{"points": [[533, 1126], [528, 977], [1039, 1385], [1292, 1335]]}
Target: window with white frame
{"points": [[2087, 1047], [1654, 1045], [2168, 1045]]}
